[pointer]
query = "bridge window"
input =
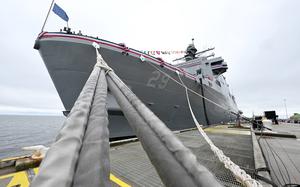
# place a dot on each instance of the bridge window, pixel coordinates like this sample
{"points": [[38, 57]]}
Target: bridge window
{"points": [[198, 71], [218, 83], [217, 63]]}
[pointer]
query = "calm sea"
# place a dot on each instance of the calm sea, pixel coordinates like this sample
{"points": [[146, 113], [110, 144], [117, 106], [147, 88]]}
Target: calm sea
{"points": [[20, 131]]}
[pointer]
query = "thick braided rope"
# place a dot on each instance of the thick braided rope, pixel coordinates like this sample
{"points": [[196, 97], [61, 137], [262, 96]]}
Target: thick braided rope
{"points": [[239, 174]]}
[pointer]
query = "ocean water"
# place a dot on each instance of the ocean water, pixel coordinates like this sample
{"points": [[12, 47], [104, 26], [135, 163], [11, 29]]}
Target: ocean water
{"points": [[20, 131]]}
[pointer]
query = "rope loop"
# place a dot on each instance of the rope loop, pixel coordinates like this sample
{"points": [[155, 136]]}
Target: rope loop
{"points": [[100, 62], [104, 66]]}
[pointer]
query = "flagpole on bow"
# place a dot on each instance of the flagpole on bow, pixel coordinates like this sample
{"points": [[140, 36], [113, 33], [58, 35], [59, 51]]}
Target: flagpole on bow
{"points": [[47, 15]]}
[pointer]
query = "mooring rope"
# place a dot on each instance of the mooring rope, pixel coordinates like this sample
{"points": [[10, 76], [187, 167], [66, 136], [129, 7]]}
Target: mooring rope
{"points": [[205, 98], [167, 153], [82, 145], [240, 174], [209, 100]]}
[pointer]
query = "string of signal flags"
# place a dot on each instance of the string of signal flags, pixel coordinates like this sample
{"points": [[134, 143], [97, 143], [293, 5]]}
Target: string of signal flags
{"points": [[163, 52]]}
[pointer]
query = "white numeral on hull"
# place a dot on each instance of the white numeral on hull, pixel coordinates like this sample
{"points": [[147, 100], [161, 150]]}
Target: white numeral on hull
{"points": [[158, 80]]}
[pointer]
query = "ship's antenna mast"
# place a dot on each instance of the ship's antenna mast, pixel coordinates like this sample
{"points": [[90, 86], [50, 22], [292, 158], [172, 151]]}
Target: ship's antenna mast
{"points": [[47, 15]]}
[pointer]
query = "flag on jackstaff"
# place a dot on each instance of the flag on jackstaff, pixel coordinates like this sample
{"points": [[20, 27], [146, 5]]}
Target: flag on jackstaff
{"points": [[60, 12]]}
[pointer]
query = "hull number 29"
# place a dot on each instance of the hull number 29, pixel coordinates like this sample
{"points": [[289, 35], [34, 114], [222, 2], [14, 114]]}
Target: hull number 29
{"points": [[158, 80]]}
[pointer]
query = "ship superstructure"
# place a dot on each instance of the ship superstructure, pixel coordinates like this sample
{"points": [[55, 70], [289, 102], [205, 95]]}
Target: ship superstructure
{"points": [[208, 69]]}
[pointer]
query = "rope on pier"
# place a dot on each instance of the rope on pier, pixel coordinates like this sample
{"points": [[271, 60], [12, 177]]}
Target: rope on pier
{"points": [[240, 174], [80, 154]]}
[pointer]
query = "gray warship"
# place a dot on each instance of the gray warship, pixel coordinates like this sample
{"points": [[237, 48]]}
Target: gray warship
{"points": [[70, 58]]}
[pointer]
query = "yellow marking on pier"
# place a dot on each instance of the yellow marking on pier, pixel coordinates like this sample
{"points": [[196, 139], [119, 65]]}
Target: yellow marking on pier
{"points": [[118, 181], [35, 170], [19, 178]]}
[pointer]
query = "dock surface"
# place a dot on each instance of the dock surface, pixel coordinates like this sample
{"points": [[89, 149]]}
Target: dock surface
{"points": [[283, 154], [129, 162]]}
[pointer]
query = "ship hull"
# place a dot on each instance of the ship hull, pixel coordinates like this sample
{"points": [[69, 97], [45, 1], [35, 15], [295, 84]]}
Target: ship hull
{"points": [[70, 60]]}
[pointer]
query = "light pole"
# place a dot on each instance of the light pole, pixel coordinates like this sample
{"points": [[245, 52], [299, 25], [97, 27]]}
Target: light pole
{"points": [[284, 100]]}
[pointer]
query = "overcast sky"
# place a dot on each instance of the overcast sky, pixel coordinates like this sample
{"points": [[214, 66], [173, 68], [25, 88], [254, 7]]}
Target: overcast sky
{"points": [[260, 41]]}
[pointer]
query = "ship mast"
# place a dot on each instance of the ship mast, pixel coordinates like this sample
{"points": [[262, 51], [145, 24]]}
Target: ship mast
{"points": [[191, 52], [47, 16]]}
